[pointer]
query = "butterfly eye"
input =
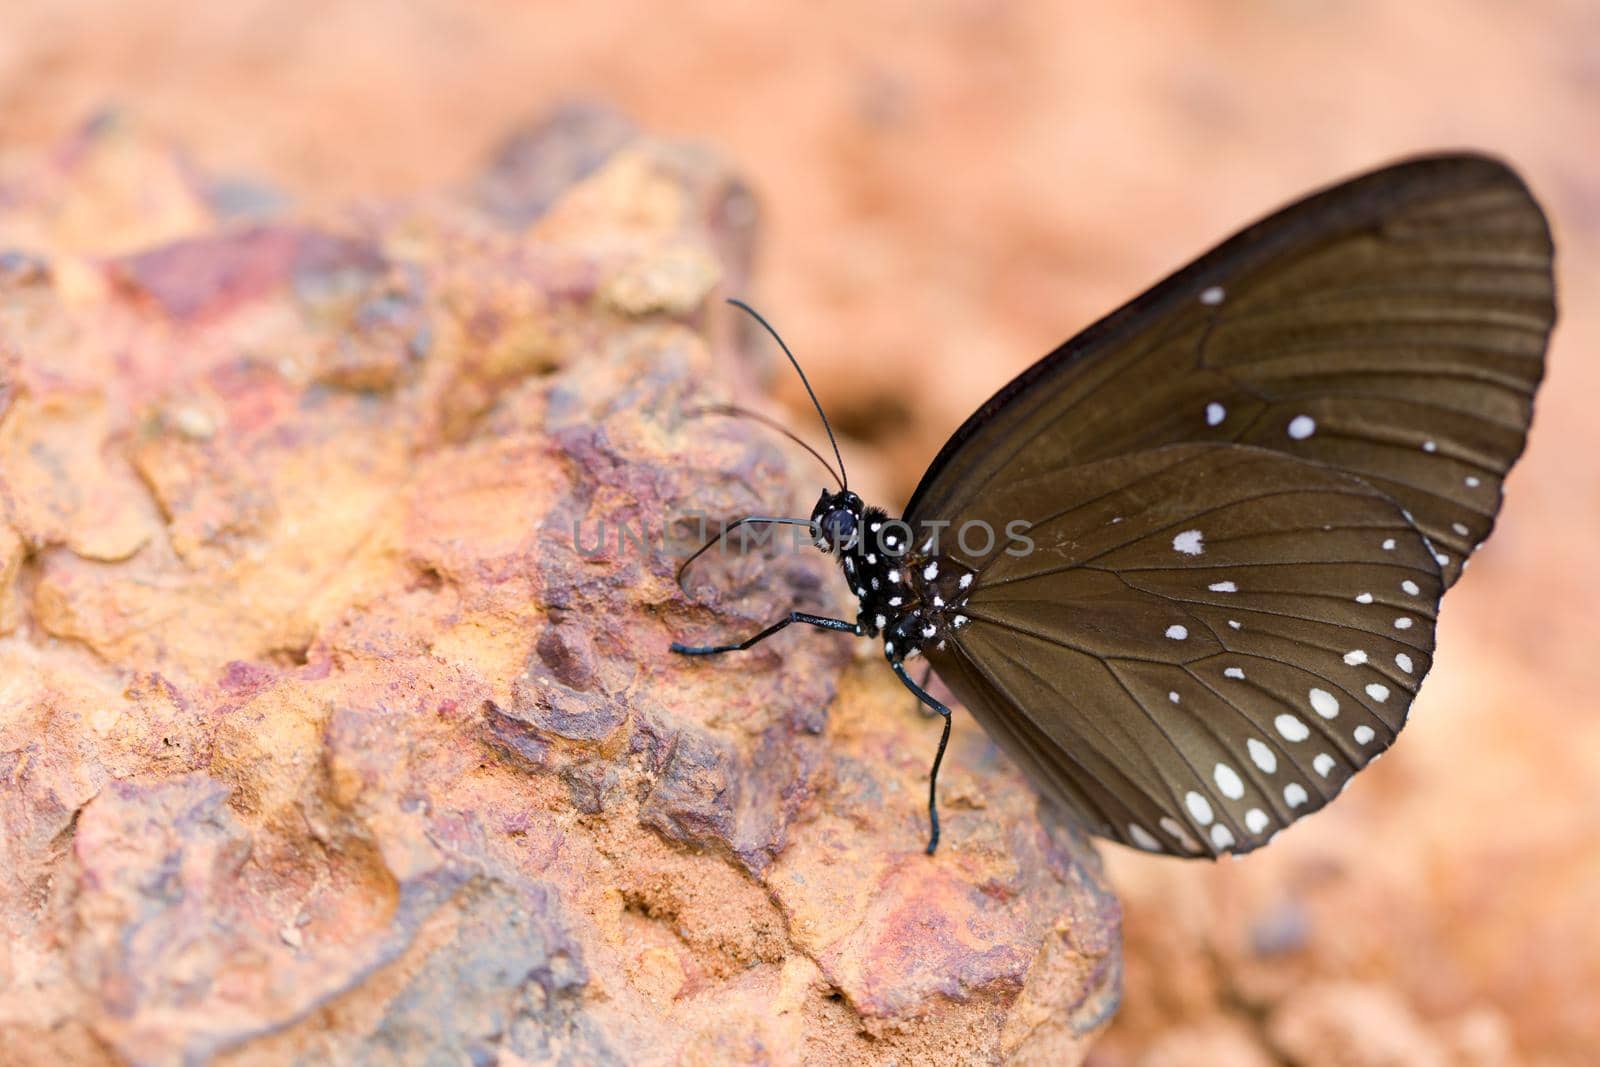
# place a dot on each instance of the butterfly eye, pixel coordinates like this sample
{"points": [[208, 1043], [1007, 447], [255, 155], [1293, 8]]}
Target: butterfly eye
{"points": [[839, 525]]}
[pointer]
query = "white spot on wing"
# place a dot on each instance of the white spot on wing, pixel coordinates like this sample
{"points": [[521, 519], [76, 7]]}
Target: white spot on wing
{"points": [[1228, 781], [966, 580], [1355, 657], [1460, 528], [1143, 838], [1323, 764], [1199, 807], [1213, 295], [1323, 703], [1471, 481], [1179, 834], [1291, 727], [1429, 446], [1221, 836], [1411, 587], [1388, 544], [1302, 426], [1402, 623], [1403, 661], [1215, 413], [1363, 734], [1262, 756], [1223, 587], [931, 571], [1174, 697], [1177, 632], [1377, 692], [1189, 542], [1255, 820], [1364, 598], [1233, 672], [1294, 794]]}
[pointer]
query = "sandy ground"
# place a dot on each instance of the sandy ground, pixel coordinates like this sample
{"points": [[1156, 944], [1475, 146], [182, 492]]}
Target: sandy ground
{"points": [[950, 189]]}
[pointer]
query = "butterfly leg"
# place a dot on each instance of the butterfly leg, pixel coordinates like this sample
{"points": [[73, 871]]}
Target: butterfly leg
{"points": [[794, 616], [944, 739], [927, 673]]}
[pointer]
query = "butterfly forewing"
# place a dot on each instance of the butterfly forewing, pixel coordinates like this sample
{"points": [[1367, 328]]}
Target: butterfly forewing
{"points": [[1392, 327], [1247, 491]]}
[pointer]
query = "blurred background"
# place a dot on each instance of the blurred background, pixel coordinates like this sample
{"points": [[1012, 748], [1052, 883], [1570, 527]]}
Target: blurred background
{"points": [[949, 189]]}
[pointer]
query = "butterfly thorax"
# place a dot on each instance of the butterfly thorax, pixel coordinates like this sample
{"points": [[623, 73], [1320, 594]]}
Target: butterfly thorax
{"points": [[911, 593]]}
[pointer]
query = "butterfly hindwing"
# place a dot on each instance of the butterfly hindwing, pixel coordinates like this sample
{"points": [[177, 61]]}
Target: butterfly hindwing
{"points": [[1203, 621]]}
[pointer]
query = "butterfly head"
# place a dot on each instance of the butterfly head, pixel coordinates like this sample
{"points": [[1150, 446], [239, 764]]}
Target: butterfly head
{"points": [[836, 520]]}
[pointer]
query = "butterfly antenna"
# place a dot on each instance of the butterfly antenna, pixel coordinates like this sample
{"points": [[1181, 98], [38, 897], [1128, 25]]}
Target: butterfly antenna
{"points": [[734, 411], [844, 478], [727, 529]]}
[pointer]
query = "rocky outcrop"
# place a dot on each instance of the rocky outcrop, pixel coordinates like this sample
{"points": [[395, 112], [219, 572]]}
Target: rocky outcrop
{"points": [[337, 720]]}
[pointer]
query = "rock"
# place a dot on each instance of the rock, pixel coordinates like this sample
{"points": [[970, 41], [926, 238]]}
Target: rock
{"points": [[337, 717], [1353, 1025], [538, 163], [1214, 1043]]}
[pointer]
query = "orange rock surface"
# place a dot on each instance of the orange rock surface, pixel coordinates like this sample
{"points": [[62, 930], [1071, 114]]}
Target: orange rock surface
{"points": [[338, 718]]}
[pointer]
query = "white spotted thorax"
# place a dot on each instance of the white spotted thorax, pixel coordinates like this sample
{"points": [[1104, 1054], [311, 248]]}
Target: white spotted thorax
{"points": [[910, 594]]}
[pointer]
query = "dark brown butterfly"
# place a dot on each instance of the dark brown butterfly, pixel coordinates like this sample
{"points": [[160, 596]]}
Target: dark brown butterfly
{"points": [[1220, 520]]}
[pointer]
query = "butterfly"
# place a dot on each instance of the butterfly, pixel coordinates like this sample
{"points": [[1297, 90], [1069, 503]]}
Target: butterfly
{"points": [[1185, 569]]}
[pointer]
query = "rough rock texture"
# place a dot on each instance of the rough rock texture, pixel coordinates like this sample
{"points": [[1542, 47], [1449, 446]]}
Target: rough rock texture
{"points": [[325, 734]]}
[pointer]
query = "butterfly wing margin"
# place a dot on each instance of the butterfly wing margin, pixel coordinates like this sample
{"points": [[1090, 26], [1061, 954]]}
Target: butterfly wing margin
{"points": [[1393, 326]]}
